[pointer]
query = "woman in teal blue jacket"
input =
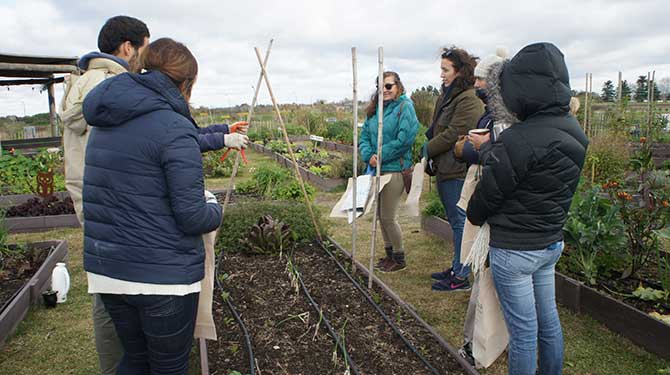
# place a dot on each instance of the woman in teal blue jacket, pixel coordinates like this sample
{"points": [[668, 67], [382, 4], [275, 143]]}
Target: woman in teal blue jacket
{"points": [[400, 127]]}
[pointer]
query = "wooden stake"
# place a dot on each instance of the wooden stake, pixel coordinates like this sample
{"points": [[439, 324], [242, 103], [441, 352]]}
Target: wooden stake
{"points": [[586, 106], [380, 139], [590, 101], [236, 166], [288, 145], [355, 166]]}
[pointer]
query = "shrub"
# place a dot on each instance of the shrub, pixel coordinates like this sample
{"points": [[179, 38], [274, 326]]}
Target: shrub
{"points": [[607, 158], [434, 206], [212, 165], [274, 182], [595, 233], [240, 217]]}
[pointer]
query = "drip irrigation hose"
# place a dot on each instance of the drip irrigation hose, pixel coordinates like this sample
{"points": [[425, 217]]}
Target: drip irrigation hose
{"points": [[326, 322], [231, 307], [380, 311]]}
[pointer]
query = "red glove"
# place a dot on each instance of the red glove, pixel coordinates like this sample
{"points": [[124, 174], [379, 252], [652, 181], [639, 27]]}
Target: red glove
{"points": [[239, 127]]}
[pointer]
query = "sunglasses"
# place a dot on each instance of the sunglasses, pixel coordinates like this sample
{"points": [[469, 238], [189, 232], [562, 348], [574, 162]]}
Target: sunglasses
{"points": [[388, 86]]}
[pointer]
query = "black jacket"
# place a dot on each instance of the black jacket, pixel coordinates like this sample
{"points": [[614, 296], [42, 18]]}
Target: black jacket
{"points": [[531, 172]]}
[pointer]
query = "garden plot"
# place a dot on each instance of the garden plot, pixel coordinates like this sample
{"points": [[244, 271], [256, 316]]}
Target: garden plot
{"points": [[289, 336]]}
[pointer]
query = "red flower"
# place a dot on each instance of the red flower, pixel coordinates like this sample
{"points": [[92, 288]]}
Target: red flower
{"points": [[643, 139]]}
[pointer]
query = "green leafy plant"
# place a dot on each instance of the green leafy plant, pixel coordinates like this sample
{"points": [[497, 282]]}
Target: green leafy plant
{"points": [[268, 236], [19, 172], [644, 207], [212, 165], [650, 294], [242, 216], [594, 232], [434, 206]]}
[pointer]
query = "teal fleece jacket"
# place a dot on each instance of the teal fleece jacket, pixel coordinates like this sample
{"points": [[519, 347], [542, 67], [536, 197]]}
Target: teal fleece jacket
{"points": [[400, 128]]}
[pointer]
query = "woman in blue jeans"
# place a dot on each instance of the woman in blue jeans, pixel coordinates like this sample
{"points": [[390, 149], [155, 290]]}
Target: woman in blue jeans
{"points": [[529, 176], [145, 208], [456, 112]]}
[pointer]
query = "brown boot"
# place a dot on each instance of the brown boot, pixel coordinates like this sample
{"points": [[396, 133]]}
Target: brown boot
{"points": [[383, 261], [393, 266]]}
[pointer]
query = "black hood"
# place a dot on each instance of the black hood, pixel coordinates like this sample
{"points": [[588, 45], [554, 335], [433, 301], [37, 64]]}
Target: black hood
{"points": [[536, 81]]}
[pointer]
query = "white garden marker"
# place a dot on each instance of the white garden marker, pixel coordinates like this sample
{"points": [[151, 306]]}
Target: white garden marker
{"points": [[288, 145], [355, 166], [380, 126]]}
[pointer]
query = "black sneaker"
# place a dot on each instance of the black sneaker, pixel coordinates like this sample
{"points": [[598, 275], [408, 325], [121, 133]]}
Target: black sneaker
{"points": [[452, 285], [444, 275], [466, 352]]}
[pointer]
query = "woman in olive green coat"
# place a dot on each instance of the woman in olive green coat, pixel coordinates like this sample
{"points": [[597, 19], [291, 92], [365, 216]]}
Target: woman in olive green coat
{"points": [[456, 112]]}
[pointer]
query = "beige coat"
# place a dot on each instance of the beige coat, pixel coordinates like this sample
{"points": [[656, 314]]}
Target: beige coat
{"points": [[75, 128]]}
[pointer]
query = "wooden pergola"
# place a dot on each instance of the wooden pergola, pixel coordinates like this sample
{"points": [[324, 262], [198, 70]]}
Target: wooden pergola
{"points": [[37, 70]]}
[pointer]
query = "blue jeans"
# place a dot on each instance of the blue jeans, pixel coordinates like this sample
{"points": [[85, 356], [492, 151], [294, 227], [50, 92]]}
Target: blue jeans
{"points": [[450, 193], [524, 282], [156, 331]]}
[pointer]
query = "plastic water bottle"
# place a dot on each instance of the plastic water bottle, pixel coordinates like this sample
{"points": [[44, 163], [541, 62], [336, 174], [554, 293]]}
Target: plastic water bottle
{"points": [[60, 281]]}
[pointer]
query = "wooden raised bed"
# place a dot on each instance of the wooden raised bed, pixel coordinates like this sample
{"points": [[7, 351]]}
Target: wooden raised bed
{"points": [[31, 292], [26, 144], [322, 183], [437, 226], [328, 145], [631, 323], [36, 223]]}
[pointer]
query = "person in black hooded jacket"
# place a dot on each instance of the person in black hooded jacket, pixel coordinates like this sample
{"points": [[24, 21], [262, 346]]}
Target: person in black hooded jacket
{"points": [[529, 177]]}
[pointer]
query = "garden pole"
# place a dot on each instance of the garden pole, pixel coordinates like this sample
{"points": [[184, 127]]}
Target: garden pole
{"points": [[288, 145], [355, 166], [380, 126], [586, 105], [251, 111]]}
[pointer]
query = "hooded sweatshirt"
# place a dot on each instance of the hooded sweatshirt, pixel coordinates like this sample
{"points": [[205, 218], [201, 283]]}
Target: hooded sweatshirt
{"points": [[530, 173], [143, 183]]}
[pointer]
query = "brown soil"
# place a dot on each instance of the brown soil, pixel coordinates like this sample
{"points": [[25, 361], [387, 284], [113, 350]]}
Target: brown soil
{"points": [[17, 266], [284, 344]]}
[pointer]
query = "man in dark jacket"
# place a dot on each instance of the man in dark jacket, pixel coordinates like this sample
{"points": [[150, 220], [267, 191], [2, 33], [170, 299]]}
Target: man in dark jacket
{"points": [[529, 177]]}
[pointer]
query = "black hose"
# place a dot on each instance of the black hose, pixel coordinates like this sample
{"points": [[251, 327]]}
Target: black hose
{"points": [[231, 307], [380, 311], [326, 322]]}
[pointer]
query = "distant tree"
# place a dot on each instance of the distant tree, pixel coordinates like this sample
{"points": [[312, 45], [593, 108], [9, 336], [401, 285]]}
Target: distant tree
{"points": [[664, 86], [641, 88], [424, 103], [625, 91], [608, 92], [657, 92]]}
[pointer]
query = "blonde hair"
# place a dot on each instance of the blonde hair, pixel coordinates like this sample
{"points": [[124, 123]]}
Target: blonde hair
{"points": [[574, 106]]}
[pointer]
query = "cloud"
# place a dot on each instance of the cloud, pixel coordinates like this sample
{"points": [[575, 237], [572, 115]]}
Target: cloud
{"points": [[311, 57]]}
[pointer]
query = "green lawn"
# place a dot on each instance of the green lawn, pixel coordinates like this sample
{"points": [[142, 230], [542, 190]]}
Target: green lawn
{"points": [[60, 341]]}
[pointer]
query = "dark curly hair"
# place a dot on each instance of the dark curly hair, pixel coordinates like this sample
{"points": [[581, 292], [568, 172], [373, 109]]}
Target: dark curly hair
{"points": [[464, 64], [120, 29]]}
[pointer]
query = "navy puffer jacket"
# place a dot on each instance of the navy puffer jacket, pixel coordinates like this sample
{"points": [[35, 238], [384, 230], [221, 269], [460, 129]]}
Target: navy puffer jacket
{"points": [[143, 183]]}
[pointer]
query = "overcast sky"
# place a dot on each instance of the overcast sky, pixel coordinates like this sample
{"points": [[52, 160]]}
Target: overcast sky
{"points": [[311, 56]]}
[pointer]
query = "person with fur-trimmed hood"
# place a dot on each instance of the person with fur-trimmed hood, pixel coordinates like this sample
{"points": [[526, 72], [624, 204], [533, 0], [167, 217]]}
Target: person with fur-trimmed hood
{"points": [[488, 69], [529, 177]]}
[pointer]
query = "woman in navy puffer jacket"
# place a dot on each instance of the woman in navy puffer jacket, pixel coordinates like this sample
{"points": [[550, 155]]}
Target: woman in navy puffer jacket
{"points": [[145, 208]]}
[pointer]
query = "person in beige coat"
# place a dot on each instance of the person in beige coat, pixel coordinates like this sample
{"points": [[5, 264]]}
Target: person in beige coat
{"points": [[120, 41]]}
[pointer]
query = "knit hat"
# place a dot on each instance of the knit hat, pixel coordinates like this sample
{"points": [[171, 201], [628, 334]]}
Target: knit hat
{"points": [[482, 69]]}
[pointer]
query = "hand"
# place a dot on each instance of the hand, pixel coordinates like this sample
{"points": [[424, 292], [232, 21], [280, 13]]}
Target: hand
{"points": [[373, 161], [241, 127], [458, 146], [210, 198], [236, 140], [477, 139]]}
